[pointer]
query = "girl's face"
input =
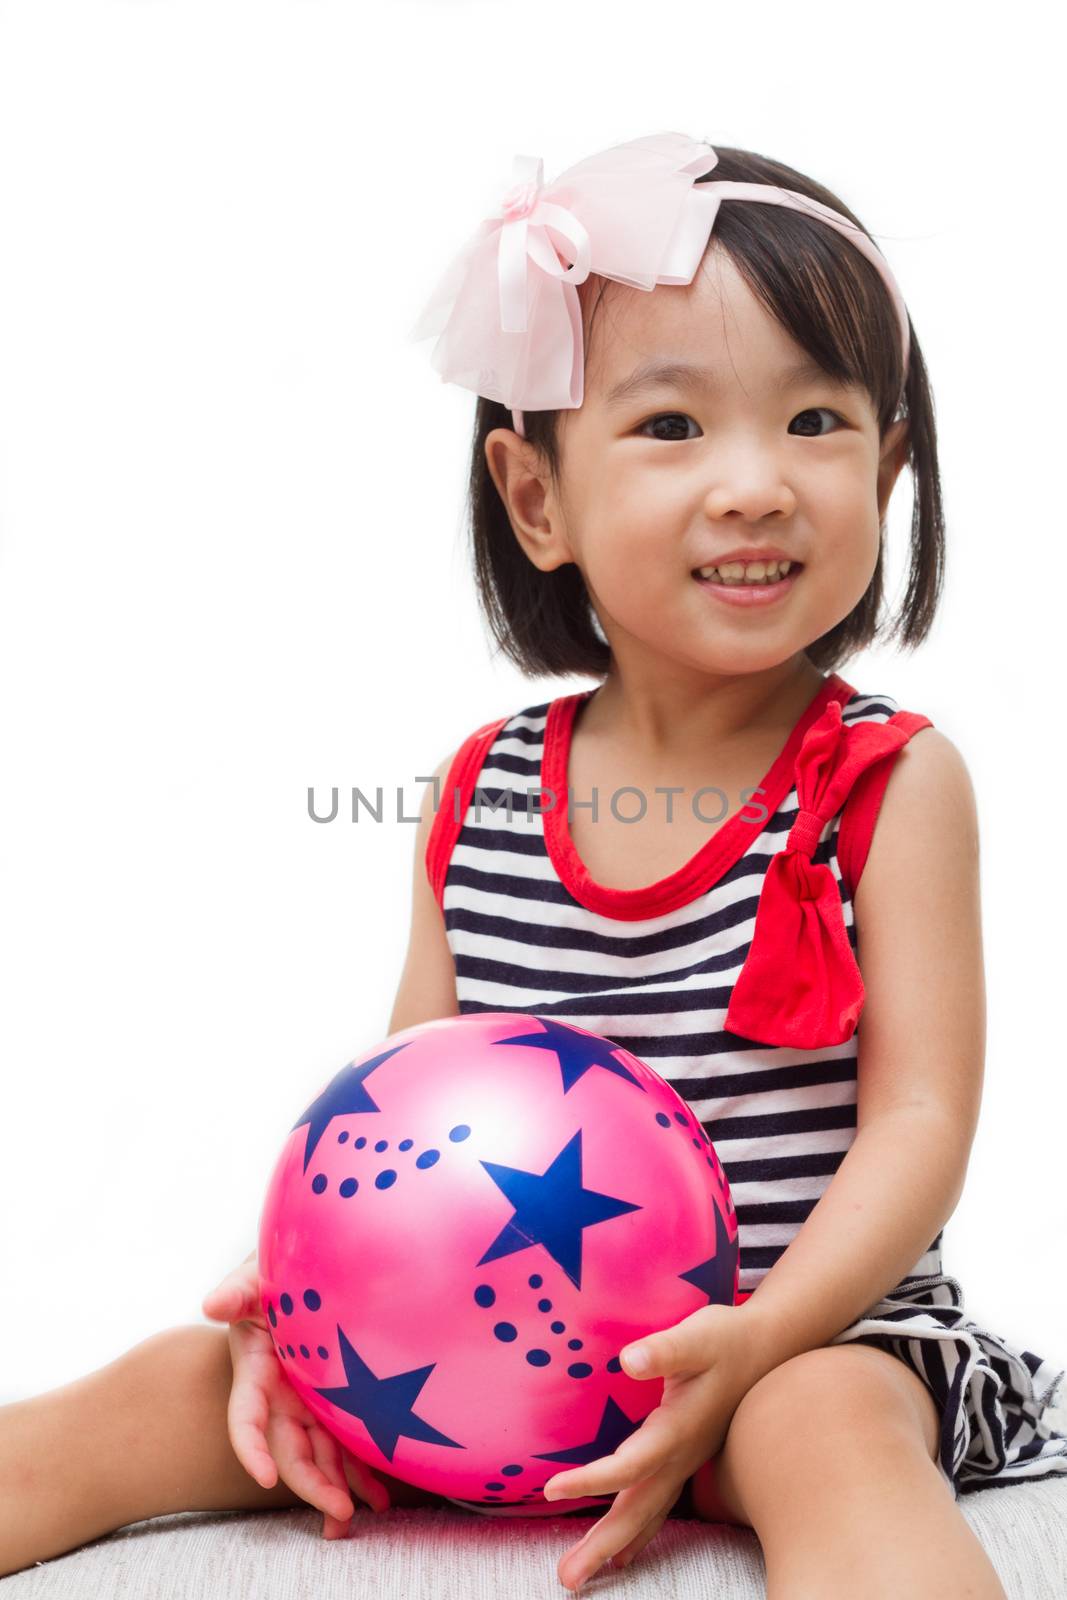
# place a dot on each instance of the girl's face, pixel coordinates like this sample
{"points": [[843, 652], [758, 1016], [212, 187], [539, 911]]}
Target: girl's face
{"points": [[743, 452]]}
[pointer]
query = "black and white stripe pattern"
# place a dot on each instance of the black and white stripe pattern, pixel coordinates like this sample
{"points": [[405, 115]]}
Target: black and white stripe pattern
{"points": [[781, 1119]]}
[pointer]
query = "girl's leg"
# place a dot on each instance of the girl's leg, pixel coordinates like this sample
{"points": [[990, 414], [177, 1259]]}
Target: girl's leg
{"points": [[141, 1437], [832, 1459]]}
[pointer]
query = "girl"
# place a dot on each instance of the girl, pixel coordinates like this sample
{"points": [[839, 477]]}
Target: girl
{"points": [[682, 494]]}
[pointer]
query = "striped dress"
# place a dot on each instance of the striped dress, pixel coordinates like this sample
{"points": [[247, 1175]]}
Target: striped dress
{"points": [[654, 969]]}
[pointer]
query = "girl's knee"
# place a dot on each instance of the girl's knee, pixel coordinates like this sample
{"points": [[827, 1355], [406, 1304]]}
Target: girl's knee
{"points": [[838, 1401], [174, 1368]]}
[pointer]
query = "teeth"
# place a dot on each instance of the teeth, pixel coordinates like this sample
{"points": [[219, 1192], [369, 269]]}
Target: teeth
{"points": [[747, 572]]}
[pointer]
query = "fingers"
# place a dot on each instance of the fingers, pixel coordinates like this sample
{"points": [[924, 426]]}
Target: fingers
{"points": [[275, 1436], [326, 1452], [236, 1297], [270, 1426], [247, 1414], [600, 1477], [292, 1449], [366, 1482], [646, 1536], [635, 1518], [367, 1489]]}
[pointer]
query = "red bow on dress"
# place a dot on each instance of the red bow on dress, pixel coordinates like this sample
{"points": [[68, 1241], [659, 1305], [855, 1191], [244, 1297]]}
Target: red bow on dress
{"points": [[800, 984]]}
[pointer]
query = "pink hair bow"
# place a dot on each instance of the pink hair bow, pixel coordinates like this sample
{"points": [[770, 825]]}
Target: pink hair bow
{"points": [[621, 213], [506, 309]]}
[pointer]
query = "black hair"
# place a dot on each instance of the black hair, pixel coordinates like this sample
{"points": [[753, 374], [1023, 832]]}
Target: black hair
{"points": [[834, 303]]}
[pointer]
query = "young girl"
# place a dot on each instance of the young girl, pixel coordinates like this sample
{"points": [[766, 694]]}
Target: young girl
{"points": [[682, 494]]}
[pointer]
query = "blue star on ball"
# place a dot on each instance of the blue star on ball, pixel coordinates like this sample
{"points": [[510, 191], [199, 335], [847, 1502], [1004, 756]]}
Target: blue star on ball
{"points": [[715, 1277], [344, 1094], [385, 1406], [577, 1052], [551, 1209]]}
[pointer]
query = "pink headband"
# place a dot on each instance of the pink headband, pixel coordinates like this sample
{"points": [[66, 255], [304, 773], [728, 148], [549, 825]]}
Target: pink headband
{"points": [[633, 213]]}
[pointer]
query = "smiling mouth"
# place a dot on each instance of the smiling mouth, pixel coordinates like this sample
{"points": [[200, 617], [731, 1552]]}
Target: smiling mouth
{"points": [[748, 574]]}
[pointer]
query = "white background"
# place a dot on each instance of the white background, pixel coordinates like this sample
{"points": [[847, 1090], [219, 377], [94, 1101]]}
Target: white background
{"points": [[232, 561]]}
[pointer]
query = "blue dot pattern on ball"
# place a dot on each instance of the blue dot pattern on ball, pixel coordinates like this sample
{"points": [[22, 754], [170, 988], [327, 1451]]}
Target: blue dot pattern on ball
{"points": [[511, 1471], [286, 1303], [663, 1119], [536, 1281], [360, 1142], [318, 1182], [614, 1365], [538, 1358], [506, 1331], [484, 1295], [304, 1351], [312, 1299], [405, 1144], [574, 1344], [428, 1158], [323, 1352], [559, 1327], [458, 1133], [272, 1315], [579, 1369], [544, 1305], [342, 1137], [680, 1116], [348, 1188], [386, 1179], [383, 1144]]}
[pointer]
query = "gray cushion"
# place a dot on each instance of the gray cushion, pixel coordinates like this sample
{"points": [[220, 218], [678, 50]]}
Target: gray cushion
{"points": [[443, 1554]]}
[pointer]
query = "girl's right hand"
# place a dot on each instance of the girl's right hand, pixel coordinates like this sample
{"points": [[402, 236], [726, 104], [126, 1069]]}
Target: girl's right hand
{"points": [[272, 1432]]}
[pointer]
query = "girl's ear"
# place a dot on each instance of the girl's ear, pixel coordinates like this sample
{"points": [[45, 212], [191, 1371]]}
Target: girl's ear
{"points": [[524, 485], [507, 455], [894, 453]]}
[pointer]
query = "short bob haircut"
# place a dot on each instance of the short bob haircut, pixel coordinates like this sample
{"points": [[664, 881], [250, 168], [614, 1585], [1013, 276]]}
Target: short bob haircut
{"points": [[833, 303]]}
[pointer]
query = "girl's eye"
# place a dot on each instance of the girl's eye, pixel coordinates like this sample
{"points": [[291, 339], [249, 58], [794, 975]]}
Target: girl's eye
{"points": [[813, 411], [673, 417], [676, 417]]}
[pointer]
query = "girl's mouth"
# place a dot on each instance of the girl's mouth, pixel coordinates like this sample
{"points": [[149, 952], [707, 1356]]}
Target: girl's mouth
{"points": [[740, 592]]}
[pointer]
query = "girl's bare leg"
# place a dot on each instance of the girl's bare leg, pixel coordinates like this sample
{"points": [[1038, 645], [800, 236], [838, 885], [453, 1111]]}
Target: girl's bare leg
{"points": [[142, 1437], [832, 1459]]}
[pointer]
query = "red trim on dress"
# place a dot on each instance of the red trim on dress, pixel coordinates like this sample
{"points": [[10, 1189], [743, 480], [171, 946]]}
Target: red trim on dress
{"points": [[726, 846], [860, 811], [448, 818], [800, 984]]}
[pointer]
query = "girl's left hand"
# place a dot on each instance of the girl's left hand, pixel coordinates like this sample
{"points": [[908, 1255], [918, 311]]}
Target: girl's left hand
{"points": [[708, 1364]]}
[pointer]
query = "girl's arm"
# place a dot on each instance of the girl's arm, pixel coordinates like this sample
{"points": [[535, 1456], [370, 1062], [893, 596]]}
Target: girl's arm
{"points": [[428, 982], [920, 1064]]}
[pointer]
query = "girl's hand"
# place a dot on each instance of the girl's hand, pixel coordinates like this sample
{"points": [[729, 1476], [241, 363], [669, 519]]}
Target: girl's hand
{"points": [[272, 1432], [707, 1364]]}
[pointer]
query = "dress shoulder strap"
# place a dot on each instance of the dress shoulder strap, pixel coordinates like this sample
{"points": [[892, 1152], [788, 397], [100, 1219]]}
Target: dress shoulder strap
{"points": [[459, 787], [860, 811], [800, 984]]}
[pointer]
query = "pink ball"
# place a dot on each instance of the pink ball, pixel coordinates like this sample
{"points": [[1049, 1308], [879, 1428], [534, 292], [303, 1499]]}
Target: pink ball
{"points": [[462, 1232]]}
